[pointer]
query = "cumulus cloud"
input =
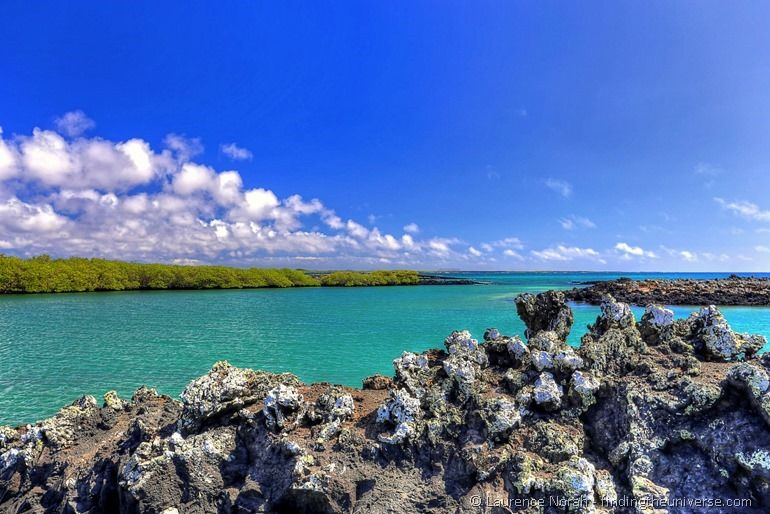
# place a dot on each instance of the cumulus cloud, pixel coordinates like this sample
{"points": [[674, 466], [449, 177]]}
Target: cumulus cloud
{"points": [[561, 187], [508, 242], [512, 253], [474, 252], [184, 147], [74, 123], [572, 222], [412, 228], [745, 209], [17, 217], [567, 253], [8, 159], [49, 160], [689, 255], [124, 199], [508, 246], [236, 152], [629, 251]]}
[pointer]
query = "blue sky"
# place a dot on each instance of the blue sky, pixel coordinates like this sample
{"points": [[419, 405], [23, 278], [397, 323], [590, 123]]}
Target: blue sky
{"points": [[475, 135]]}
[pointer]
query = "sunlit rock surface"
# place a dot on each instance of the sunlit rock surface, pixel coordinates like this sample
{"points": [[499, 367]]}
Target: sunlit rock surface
{"points": [[661, 409]]}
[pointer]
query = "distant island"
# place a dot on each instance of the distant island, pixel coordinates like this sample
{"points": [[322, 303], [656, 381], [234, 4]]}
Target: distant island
{"points": [[43, 274], [733, 290]]}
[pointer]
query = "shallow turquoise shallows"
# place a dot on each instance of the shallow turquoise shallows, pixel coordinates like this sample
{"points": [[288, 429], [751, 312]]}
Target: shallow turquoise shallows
{"points": [[54, 348]]}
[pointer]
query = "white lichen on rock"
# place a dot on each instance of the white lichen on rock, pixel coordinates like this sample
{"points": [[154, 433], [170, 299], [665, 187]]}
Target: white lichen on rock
{"points": [[750, 376], [501, 416], [547, 392], [719, 341], [517, 348], [567, 360], [401, 410], [757, 462], [113, 401], [226, 389], [658, 316], [584, 386], [541, 360], [278, 403]]}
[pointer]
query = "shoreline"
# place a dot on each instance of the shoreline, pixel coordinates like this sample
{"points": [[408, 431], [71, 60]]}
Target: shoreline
{"points": [[424, 280], [530, 418], [42, 274], [730, 291]]}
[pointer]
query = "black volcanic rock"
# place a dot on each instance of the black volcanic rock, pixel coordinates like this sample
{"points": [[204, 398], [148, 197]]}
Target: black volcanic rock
{"points": [[661, 410], [733, 290], [545, 312]]}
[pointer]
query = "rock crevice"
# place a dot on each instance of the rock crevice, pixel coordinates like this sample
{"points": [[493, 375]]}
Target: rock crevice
{"points": [[661, 409]]}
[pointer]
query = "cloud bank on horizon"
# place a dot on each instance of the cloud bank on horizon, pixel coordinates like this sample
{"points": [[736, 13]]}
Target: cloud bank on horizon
{"points": [[64, 193], [486, 135]]}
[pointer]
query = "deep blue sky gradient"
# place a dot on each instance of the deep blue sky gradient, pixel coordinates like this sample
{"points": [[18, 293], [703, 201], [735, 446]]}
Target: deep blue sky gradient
{"points": [[452, 115]]}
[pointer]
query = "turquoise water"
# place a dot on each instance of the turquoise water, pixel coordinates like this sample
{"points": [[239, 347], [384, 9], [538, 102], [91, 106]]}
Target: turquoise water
{"points": [[54, 348]]}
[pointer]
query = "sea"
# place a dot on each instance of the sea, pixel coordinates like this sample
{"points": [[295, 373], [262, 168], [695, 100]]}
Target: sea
{"points": [[55, 348]]}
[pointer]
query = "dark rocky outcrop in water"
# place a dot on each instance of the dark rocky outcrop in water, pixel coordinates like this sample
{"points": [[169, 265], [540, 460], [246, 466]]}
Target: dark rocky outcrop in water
{"points": [[642, 413], [444, 280], [733, 290]]}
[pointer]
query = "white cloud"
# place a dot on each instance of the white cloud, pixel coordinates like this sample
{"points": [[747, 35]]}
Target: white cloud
{"points": [[184, 147], [566, 253], [572, 222], [762, 249], [508, 242], [721, 257], [474, 252], [74, 123], [17, 216], [441, 246], [193, 178], [236, 152], [412, 228], [259, 203], [357, 230], [512, 253], [8, 159], [95, 197], [636, 251], [50, 160], [562, 187], [746, 209], [686, 255]]}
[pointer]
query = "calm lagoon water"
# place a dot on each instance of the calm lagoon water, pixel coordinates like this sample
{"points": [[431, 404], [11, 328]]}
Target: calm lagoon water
{"points": [[54, 348]]}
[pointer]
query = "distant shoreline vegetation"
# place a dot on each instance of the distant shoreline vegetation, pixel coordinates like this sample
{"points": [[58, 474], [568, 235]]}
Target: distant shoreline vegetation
{"points": [[42, 274]]}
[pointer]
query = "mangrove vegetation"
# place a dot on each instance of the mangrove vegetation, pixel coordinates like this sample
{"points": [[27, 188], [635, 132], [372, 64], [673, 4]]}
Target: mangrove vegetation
{"points": [[43, 274]]}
